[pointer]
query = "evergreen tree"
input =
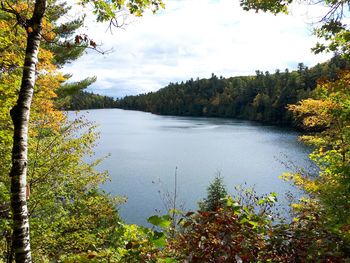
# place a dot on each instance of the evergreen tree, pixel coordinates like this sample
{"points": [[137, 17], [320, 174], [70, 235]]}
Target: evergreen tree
{"points": [[216, 192], [263, 97]]}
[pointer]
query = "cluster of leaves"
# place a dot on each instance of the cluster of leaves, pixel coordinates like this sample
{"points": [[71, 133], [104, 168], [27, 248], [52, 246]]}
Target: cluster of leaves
{"points": [[263, 97], [234, 231], [106, 10], [68, 213], [128, 243], [273, 6], [331, 152]]}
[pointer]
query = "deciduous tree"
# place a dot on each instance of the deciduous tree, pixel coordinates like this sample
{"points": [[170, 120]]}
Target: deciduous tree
{"points": [[31, 18], [329, 112]]}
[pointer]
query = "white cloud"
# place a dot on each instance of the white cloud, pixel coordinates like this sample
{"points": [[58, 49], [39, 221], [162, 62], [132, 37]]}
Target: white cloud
{"points": [[194, 39]]}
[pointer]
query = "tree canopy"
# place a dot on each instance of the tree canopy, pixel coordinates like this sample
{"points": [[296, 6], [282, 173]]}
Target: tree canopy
{"points": [[263, 97]]}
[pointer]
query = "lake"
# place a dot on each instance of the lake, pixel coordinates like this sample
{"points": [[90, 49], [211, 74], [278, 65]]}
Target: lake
{"points": [[147, 150]]}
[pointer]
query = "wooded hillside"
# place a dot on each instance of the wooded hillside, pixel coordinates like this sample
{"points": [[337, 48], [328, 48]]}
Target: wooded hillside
{"points": [[263, 97]]}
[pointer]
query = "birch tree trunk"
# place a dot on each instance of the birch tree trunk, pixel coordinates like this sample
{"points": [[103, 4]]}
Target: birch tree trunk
{"points": [[20, 117]]}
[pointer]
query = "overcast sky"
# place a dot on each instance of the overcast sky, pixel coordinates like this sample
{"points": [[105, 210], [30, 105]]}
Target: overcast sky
{"points": [[194, 38]]}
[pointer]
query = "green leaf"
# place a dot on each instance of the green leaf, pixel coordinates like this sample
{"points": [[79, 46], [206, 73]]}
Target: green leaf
{"points": [[159, 239], [163, 221]]}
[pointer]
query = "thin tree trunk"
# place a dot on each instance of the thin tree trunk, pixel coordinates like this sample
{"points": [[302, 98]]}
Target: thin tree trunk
{"points": [[20, 117]]}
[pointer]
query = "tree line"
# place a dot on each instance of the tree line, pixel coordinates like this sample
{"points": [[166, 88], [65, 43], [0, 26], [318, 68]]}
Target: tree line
{"points": [[83, 100], [263, 97]]}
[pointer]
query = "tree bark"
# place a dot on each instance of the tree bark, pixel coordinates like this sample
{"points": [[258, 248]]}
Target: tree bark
{"points": [[20, 117]]}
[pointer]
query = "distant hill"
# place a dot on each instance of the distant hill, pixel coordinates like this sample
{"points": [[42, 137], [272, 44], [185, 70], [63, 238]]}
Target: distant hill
{"points": [[262, 97]]}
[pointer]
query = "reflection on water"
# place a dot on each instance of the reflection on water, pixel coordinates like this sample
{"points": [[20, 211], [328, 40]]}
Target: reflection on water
{"points": [[146, 148]]}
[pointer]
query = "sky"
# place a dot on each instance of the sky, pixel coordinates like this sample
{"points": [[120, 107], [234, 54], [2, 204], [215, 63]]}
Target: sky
{"points": [[195, 38]]}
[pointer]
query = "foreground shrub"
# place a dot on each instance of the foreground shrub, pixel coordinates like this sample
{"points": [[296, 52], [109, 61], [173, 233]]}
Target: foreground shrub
{"points": [[247, 230]]}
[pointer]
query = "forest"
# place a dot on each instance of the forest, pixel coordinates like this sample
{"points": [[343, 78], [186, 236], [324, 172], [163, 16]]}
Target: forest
{"points": [[263, 97], [84, 100], [51, 206]]}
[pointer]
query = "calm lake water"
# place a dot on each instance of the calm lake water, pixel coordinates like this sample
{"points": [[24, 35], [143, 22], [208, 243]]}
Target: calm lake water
{"points": [[146, 149]]}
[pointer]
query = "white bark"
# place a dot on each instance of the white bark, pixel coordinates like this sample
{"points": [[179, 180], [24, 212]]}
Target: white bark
{"points": [[20, 116]]}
